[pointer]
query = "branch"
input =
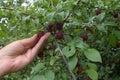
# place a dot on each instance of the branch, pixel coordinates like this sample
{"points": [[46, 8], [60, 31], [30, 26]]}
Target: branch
{"points": [[70, 12], [52, 4], [10, 9], [65, 60]]}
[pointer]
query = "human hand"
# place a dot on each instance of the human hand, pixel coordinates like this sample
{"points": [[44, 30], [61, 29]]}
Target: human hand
{"points": [[18, 54]]}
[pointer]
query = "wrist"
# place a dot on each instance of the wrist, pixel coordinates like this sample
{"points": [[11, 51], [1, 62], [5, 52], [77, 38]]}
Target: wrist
{"points": [[4, 67], [2, 72]]}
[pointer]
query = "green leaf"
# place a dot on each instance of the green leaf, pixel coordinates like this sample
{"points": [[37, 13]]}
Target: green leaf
{"points": [[82, 45], [52, 60], [39, 77], [92, 66], [92, 74], [110, 23], [49, 75], [50, 16], [101, 27], [59, 17], [117, 34], [72, 62], [25, 18], [112, 40], [100, 17], [69, 51], [38, 67], [93, 55], [71, 43], [68, 38], [78, 42]]}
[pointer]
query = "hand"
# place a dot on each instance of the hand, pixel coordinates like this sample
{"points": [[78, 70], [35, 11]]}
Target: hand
{"points": [[18, 54]]}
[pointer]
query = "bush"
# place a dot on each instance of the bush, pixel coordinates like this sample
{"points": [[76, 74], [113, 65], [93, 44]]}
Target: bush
{"points": [[85, 40]]}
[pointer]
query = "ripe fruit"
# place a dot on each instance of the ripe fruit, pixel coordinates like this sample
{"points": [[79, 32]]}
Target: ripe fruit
{"points": [[50, 26], [98, 12], [50, 47], [85, 78], [84, 37], [79, 67], [118, 44], [59, 35], [59, 26], [40, 54], [40, 34], [115, 15]]}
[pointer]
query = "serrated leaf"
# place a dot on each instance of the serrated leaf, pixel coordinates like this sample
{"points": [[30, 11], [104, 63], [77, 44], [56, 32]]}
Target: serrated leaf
{"points": [[92, 74], [72, 62], [93, 55]]}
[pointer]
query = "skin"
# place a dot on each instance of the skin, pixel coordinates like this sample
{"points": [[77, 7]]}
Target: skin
{"points": [[18, 54]]}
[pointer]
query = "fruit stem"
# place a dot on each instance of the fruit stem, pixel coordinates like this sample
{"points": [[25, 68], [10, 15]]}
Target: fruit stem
{"points": [[65, 60]]}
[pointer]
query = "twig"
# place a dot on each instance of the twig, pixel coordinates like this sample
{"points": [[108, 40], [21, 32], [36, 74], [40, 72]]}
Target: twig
{"points": [[70, 12], [52, 4], [65, 60], [11, 9]]}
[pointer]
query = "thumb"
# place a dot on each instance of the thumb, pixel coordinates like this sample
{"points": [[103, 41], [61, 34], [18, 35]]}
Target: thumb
{"points": [[29, 42]]}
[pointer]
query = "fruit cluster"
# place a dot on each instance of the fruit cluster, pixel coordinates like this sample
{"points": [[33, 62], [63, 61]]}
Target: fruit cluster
{"points": [[55, 30], [56, 27]]}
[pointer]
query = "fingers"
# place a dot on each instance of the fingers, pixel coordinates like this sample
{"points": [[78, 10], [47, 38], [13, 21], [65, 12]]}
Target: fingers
{"points": [[31, 53], [40, 44], [29, 42]]}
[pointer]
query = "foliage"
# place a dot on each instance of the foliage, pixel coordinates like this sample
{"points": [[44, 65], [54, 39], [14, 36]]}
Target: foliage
{"points": [[97, 58]]}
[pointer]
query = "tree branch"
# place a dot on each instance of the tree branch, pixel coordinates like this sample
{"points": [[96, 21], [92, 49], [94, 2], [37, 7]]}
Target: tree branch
{"points": [[70, 12], [65, 60], [10, 9], [52, 4]]}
